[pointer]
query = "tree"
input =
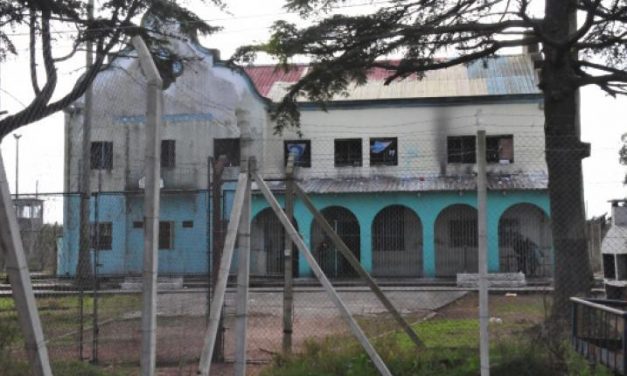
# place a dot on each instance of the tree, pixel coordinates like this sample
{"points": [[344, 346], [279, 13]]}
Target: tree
{"points": [[343, 48], [109, 32]]}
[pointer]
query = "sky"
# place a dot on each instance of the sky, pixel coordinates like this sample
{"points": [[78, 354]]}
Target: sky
{"points": [[247, 21]]}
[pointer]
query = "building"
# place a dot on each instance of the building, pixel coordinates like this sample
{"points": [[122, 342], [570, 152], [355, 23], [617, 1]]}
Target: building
{"points": [[614, 252], [391, 167]]}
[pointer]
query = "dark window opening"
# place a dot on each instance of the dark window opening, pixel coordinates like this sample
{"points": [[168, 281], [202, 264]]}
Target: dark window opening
{"points": [[166, 235], [463, 233], [621, 267], [389, 231], [168, 153], [461, 149], [301, 150], [348, 152], [102, 155], [101, 236], [609, 268], [188, 224], [229, 147], [138, 224], [383, 151], [500, 149]]}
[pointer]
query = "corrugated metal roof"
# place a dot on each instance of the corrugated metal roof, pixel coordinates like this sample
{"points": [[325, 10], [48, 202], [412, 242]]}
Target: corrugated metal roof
{"points": [[422, 184], [502, 75]]}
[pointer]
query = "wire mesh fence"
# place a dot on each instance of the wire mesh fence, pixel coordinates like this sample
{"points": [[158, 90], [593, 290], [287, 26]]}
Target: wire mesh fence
{"points": [[411, 226]]}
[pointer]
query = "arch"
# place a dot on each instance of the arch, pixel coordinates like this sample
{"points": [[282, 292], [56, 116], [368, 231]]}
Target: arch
{"points": [[328, 257], [268, 244], [525, 241], [456, 241], [396, 243]]}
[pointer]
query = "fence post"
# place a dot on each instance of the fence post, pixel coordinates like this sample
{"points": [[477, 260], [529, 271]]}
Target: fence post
{"points": [[154, 111], [17, 269], [484, 344], [288, 290]]}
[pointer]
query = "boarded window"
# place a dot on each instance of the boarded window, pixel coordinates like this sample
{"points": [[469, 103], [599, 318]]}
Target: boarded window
{"points": [[461, 149], [101, 236], [229, 147], [500, 149], [101, 155], [348, 152], [168, 153], [383, 151], [166, 235], [463, 233], [301, 150]]}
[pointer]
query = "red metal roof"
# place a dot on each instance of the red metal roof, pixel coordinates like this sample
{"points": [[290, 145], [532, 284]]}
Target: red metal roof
{"points": [[265, 76]]}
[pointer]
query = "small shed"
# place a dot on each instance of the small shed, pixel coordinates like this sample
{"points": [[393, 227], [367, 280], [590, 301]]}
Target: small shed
{"points": [[614, 251]]}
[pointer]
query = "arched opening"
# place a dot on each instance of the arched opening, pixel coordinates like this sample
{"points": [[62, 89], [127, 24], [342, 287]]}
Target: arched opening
{"points": [[456, 241], [396, 243], [268, 245], [328, 257], [525, 241]]}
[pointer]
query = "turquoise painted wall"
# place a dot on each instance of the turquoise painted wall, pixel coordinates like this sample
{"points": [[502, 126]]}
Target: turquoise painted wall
{"points": [[426, 205], [188, 256]]}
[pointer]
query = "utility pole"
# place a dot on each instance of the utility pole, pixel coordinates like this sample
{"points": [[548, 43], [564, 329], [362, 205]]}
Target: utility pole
{"points": [[484, 340], [17, 164]]}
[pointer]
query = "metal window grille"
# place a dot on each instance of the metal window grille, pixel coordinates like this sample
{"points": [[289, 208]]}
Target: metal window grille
{"points": [[168, 153], [166, 235], [461, 149], [101, 236], [384, 151], [348, 152], [500, 149], [101, 155], [344, 222]]}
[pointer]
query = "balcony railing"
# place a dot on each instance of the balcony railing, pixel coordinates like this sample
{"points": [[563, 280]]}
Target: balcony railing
{"points": [[599, 331]]}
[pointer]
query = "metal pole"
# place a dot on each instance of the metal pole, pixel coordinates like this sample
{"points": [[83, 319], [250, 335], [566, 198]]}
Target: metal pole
{"points": [[484, 347], [17, 165], [154, 110], [243, 278], [13, 251], [288, 290]]}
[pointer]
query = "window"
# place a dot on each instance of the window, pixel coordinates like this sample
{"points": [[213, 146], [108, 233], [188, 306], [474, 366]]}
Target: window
{"points": [[168, 148], [500, 149], [102, 155], [348, 152], [301, 150], [138, 224], [188, 224], [166, 235], [101, 236], [229, 147], [463, 233], [609, 268], [461, 149], [383, 151]]}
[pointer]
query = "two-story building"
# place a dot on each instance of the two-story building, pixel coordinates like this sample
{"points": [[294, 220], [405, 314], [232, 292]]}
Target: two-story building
{"points": [[392, 167]]}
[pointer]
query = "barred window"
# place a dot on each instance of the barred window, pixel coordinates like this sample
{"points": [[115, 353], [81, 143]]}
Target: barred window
{"points": [[384, 151], [500, 149], [229, 147], [101, 236], [166, 235], [168, 153], [348, 152], [301, 150], [101, 155], [461, 149], [463, 233]]}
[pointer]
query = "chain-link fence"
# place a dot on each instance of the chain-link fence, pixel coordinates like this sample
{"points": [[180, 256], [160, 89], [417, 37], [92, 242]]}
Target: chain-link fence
{"points": [[411, 222]]}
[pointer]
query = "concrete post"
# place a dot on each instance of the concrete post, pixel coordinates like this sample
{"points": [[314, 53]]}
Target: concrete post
{"points": [[154, 112], [288, 289], [484, 345]]}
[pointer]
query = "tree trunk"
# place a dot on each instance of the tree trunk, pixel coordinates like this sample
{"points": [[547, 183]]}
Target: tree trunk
{"points": [[564, 152]]}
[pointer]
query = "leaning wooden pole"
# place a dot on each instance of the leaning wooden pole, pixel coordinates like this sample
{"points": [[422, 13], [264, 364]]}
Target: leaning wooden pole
{"points": [[223, 275], [19, 277], [348, 255], [152, 173], [333, 295]]}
